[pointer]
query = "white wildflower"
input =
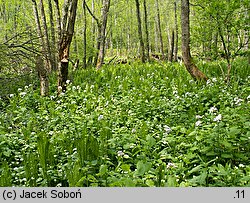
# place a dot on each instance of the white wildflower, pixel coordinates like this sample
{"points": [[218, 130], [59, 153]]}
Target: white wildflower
{"points": [[23, 93], [241, 165], [59, 88], [171, 165], [51, 132], [100, 117], [214, 80], [212, 109], [11, 95], [198, 117], [67, 81], [133, 130], [238, 101], [19, 89], [208, 81], [218, 118], [120, 153], [167, 129], [198, 123], [175, 92], [248, 98]]}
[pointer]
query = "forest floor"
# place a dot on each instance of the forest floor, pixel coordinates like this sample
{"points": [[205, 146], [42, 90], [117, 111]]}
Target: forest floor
{"points": [[129, 125]]}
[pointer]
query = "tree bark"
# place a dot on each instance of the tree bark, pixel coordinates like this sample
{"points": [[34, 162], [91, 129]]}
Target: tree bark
{"points": [[146, 29], [102, 33], [84, 58], [159, 27], [176, 32], [67, 30], [46, 37], [142, 49], [42, 65], [171, 51], [185, 26], [53, 37]]}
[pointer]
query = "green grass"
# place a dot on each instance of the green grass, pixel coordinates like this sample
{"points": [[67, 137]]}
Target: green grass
{"points": [[130, 125]]}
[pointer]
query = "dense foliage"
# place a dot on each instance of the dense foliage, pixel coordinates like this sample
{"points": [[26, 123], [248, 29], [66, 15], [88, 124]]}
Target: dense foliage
{"points": [[130, 125]]}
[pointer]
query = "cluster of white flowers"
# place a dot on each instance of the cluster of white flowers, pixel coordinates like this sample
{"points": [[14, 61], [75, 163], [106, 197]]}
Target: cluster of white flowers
{"points": [[218, 118], [188, 94], [198, 117], [171, 165], [23, 94], [198, 123], [238, 101], [122, 154], [212, 110], [100, 117], [167, 129]]}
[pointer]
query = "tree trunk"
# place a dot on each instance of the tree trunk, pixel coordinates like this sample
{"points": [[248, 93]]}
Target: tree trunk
{"points": [[84, 59], [43, 76], [46, 37], [176, 32], [53, 37], [142, 50], [42, 65], [171, 51], [159, 28], [102, 33], [68, 24], [190, 66], [146, 29]]}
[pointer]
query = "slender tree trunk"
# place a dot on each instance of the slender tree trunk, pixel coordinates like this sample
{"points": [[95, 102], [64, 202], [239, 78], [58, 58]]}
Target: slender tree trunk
{"points": [[171, 51], [42, 65], [53, 37], [176, 32], [84, 59], [102, 33], [159, 28], [185, 25], [68, 24], [146, 29], [58, 24], [46, 36], [156, 37], [142, 49]]}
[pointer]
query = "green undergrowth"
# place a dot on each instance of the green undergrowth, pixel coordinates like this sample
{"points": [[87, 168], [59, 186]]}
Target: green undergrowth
{"points": [[130, 125]]}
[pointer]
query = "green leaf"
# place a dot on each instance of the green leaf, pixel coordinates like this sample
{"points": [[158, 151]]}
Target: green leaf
{"points": [[142, 168], [195, 169], [125, 167], [103, 169], [171, 182], [234, 131], [150, 183]]}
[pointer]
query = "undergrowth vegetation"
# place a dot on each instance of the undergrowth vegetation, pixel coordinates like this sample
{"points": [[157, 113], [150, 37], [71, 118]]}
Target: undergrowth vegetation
{"points": [[130, 125]]}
